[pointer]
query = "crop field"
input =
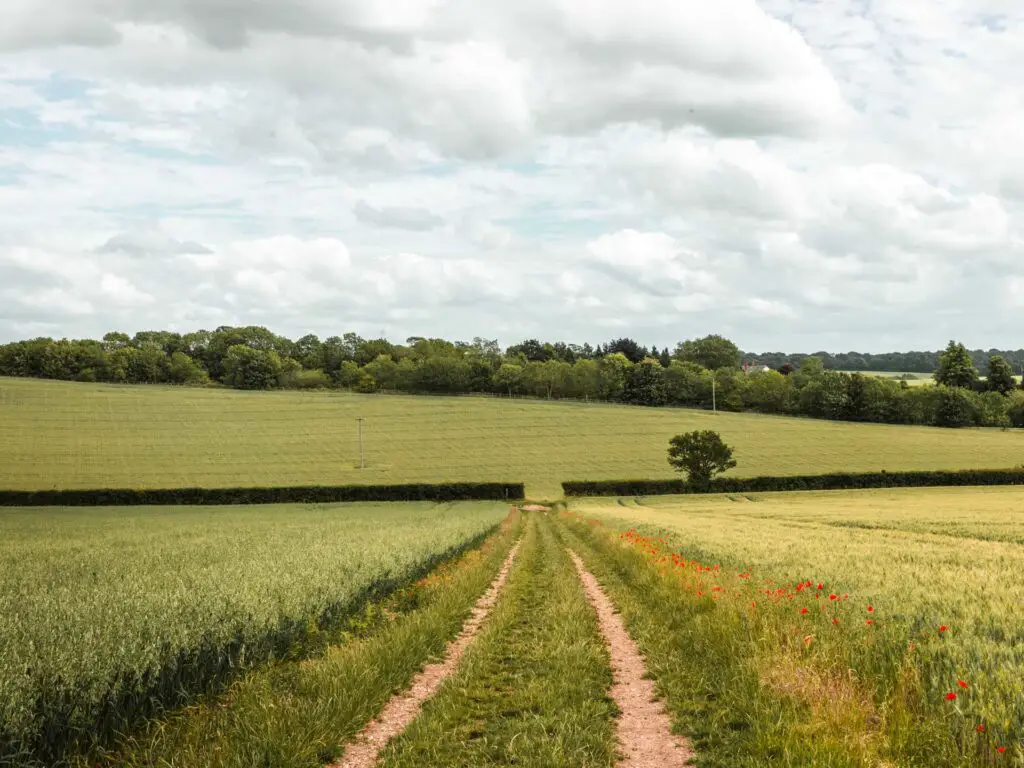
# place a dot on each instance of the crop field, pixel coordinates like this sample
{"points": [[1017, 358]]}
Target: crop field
{"points": [[107, 609], [72, 435], [854, 628], [891, 620]]}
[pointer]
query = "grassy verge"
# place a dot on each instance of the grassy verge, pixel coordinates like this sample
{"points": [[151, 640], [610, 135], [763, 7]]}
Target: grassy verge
{"points": [[748, 683], [300, 713], [532, 689]]}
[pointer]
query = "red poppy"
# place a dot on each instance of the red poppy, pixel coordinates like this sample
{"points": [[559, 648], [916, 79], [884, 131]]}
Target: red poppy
{"points": [[803, 611], [835, 621], [869, 622], [833, 596], [961, 683], [950, 696], [943, 628], [1000, 750], [871, 609], [820, 586], [981, 728]]}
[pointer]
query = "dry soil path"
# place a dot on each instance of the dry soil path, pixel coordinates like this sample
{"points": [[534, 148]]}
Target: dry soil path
{"points": [[643, 728], [364, 751]]}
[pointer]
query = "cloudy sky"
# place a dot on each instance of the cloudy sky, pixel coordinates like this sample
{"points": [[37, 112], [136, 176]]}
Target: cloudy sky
{"points": [[796, 174]]}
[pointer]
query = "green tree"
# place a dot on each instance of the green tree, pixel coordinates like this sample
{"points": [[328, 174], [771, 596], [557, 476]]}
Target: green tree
{"points": [[248, 368], [701, 455], [614, 369], [509, 376], [384, 371], [713, 352], [1000, 376], [586, 378], [115, 340], [826, 396], [956, 407], [768, 392], [956, 369], [811, 368], [645, 384], [182, 369], [688, 383], [548, 379], [308, 351]]}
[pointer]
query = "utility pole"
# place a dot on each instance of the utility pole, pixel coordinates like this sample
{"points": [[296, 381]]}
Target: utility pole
{"points": [[362, 462], [714, 394]]}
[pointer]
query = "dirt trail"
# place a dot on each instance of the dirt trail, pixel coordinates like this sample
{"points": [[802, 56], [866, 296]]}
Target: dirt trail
{"points": [[364, 751], [644, 730]]}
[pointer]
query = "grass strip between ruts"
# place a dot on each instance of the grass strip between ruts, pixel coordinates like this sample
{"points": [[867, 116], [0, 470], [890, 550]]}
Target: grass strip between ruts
{"points": [[301, 714], [532, 690]]}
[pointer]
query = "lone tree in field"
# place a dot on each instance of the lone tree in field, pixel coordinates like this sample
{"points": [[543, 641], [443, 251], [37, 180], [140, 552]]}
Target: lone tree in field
{"points": [[701, 455], [956, 369]]}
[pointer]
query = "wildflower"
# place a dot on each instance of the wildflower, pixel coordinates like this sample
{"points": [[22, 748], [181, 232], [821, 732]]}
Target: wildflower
{"points": [[869, 622], [943, 628], [833, 596], [981, 728], [835, 621], [961, 683], [871, 609], [1001, 750], [820, 586], [803, 611], [808, 639], [950, 696]]}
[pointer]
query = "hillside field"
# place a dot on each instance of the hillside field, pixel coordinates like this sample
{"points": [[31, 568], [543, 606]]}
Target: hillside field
{"points": [[73, 435]]}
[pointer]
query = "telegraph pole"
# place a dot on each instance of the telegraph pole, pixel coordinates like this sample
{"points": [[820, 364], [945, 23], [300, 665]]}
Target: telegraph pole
{"points": [[714, 397], [362, 462]]}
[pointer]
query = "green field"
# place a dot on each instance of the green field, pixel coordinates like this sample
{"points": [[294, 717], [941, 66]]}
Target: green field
{"points": [[71, 435], [920, 558], [106, 608]]}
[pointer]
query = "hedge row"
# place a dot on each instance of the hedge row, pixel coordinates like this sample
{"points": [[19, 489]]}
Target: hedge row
{"points": [[831, 482], [286, 494]]}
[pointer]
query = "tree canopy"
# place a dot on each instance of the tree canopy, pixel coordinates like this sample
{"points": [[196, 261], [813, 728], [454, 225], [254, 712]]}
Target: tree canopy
{"points": [[700, 455]]}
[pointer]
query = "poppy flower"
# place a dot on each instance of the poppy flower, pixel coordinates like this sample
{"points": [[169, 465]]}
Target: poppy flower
{"points": [[1001, 750], [961, 683], [833, 596], [820, 586], [871, 609], [950, 696], [835, 621], [981, 728], [869, 622], [803, 611], [943, 628]]}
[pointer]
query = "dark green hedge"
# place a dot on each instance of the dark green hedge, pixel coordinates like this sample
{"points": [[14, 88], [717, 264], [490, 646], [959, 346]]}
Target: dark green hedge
{"points": [[286, 494], [831, 482]]}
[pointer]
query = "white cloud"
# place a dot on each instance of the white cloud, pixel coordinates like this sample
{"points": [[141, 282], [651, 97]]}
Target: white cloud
{"points": [[797, 174]]}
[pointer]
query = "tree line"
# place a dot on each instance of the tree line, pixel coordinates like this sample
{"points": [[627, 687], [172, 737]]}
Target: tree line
{"points": [[704, 372]]}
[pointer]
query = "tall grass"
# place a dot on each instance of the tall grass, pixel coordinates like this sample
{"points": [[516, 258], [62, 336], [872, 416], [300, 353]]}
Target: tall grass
{"points": [[111, 614], [852, 616]]}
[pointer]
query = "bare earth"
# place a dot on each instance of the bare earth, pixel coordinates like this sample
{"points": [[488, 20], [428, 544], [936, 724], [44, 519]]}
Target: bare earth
{"points": [[644, 729], [402, 709]]}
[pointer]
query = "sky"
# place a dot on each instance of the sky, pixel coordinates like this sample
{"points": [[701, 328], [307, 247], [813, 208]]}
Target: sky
{"points": [[795, 174]]}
